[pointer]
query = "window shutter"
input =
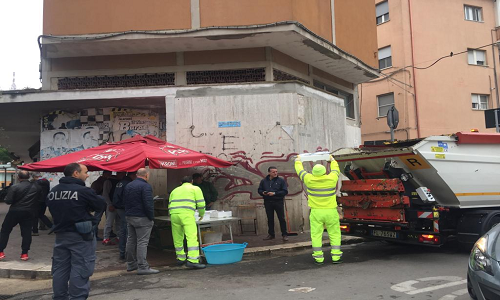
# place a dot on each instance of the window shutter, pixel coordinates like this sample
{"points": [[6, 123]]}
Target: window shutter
{"points": [[382, 8], [384, 53], [480, 57]]}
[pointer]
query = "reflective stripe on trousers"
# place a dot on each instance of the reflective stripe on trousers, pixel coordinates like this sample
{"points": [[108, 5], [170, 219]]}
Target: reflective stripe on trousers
{"points": [[319, 219], [185, 225]]}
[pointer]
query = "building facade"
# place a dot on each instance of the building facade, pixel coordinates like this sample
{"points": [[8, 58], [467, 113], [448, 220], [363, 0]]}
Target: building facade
{"points": [[433, 97], [251, 81]]}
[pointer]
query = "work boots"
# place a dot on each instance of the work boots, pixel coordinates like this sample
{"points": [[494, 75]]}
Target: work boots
{"points": [[147, 271], [195, 265]]}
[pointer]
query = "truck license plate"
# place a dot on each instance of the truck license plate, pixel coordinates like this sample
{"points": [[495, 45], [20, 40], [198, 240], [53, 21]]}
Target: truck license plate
{"points": [[383, 233]]}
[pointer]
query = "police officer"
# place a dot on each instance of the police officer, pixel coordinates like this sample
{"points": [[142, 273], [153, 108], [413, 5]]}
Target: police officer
{"points": [[70, 203], [322, 199], [183, 202]]}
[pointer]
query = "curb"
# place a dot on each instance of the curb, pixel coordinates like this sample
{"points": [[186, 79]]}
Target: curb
{"points": [[42, 273], [274, 249], [45, 272]]}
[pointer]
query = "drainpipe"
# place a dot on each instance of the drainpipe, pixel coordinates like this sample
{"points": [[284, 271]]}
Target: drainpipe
{"points": [[413, 67], [493, 45]]}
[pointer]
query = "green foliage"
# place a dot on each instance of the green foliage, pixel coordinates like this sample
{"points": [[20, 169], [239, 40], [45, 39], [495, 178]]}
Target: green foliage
{"points": [[4, 156]]}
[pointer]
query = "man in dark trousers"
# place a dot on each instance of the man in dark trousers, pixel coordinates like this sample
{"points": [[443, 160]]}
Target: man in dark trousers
{"points": [[119, 205], [139, 212], [23, 200], [73, 260], [98, 187], [42, 206], [274, 190]]}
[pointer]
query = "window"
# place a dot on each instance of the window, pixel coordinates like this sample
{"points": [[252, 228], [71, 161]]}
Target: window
{"points": [[479, 102], [384, 58], [385, 102], [382, 12], [473, 13], [348, 98], [477, 57]]}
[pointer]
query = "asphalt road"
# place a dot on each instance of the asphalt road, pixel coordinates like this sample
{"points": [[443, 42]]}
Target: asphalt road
{"points": [[372, 270]]}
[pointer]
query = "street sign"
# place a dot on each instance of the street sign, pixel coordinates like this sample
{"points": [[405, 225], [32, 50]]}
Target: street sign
{"points": [[392, 120], [489, 117]]}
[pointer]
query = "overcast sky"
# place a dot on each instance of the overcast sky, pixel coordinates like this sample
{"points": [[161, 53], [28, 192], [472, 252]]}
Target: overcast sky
{"points": [[20, 25]]}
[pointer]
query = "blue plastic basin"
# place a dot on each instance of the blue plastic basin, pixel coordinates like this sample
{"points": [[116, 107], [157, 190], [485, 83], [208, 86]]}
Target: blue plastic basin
{"points": [[224, 253]]}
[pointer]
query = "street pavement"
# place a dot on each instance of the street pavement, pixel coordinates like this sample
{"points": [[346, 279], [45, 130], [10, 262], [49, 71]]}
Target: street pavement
{"points": [[371, 270]]}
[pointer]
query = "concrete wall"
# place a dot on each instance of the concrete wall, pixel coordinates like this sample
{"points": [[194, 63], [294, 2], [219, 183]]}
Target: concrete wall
{"points": [[314, 14], [61, 17], [355, 31], [274, 127], [443, 91]]}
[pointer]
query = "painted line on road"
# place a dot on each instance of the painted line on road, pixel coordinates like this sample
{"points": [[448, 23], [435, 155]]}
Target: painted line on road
{"points": [[437, 287], [454, 295], [408, 288]]}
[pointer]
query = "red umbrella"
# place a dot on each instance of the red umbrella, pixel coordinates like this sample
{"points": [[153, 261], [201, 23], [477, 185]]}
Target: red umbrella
{"points": [[130, 155]]}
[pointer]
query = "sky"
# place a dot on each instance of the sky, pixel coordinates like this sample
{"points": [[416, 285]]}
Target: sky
{"points": [[20, 26]]}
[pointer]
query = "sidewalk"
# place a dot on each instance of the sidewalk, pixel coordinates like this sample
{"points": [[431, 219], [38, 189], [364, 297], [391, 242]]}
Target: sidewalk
{"points": [[39, 264]]}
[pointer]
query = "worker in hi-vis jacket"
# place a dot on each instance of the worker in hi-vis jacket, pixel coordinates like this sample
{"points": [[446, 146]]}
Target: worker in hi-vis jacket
{"points": [[321, 192]]}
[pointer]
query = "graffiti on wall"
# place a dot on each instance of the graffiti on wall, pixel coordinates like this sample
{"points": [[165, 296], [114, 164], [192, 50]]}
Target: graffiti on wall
{"points": [[244, 178]]}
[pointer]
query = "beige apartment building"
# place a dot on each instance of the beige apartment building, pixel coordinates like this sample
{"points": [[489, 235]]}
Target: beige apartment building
{"points": [[432, 99], [250, 81]]}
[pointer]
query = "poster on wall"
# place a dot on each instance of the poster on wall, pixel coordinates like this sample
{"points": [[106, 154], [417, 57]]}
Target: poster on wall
{"points": [[129, 122], [59, 142]]}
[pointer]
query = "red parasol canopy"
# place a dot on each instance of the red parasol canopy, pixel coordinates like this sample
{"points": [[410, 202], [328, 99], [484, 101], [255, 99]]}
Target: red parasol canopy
{"points": [[130, 155]]}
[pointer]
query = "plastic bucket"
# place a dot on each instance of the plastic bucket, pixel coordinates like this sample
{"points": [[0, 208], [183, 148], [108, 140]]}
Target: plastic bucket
{"points": [[224, 253]]}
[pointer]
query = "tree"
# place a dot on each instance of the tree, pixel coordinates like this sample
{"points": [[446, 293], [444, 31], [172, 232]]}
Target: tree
{"points": [[5, 156]]}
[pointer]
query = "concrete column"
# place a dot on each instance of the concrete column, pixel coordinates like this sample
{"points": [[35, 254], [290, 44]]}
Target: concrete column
{"points": [[170, 118], [332, 4], [269, 64], [46, 79], [356, 100], [311, 74], [180, 76], [195, 14]]}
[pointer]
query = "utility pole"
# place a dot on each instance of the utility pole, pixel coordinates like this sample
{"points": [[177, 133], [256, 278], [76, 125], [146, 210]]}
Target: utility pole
{"points": [[13, 86]]}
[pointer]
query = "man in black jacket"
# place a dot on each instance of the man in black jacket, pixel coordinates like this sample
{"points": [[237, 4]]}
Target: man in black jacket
{"points": [[42, 206], [23, 199], [119, 205], [70, 203], [274, 190], [139, 212]]}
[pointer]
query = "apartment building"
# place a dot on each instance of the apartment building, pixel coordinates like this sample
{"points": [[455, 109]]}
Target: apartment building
{"points": [[437, 68]]}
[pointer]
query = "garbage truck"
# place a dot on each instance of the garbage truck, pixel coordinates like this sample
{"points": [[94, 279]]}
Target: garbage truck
{"points": [[426, 191]]}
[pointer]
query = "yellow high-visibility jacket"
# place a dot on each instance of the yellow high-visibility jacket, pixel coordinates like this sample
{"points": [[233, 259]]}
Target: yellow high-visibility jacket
{"points": [[321, 190], [186, 199]]}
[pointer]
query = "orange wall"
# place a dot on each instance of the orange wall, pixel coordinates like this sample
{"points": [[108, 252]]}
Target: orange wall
{"points": [[355, 30], [114, 62], [314, 14], [62, 17]]}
